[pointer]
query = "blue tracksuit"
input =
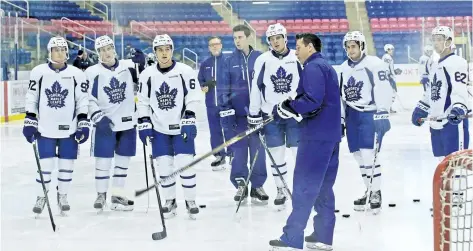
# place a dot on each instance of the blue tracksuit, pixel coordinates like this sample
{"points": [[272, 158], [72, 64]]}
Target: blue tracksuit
{"points": [[237, 77], [211, 70], [318, 100]]}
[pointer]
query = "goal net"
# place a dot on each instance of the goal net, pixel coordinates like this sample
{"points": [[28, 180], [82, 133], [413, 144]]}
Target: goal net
{"points": [[453, 203]]}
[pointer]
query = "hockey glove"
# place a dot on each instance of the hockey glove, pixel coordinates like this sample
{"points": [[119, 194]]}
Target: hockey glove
{"points": [[227, 119], [381, 123], [145, 129], [210, 84], [83, 129], [188, 129], [286, 112], [255, 120], [457, 114], [102, 123], [30, 128], [419, 113]]}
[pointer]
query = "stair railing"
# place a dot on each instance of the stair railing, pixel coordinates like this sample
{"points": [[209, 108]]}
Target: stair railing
{"points": [[90, 4], [184, 57], [65, 21], [27, 10]]}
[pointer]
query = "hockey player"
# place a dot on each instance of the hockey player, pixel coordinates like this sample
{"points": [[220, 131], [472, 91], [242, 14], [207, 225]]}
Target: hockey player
{"points": [[234, 109], [210, 79], [276, 79], [318, 103], [446, 99], [168, 98], [112, 109], [366, 96], [425, 64], [56, 117], [388, 59]]}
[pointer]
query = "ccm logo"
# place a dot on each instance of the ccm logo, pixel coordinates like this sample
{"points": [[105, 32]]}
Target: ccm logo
{"points": [[188, 122]]}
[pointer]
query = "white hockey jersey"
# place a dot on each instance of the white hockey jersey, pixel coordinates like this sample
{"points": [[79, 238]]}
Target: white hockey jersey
{"points": [[164, 97], [447, 88], [364, 85], [112, 92], [389, 61], [57, 97], [276, 79]]}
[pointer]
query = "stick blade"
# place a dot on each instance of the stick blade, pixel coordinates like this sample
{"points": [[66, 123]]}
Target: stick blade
{"points": [[159, 235]]}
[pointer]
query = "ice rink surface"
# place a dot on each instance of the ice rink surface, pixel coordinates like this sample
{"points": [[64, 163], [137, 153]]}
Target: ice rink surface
{"points": [[407, 163]]}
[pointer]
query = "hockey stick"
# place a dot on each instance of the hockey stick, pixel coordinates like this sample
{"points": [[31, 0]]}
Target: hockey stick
{"points": [[35, 149], [214, 151], [275, 165], [442, 118], [247, 179], [163, 234], [146, 173], [368, 195]]}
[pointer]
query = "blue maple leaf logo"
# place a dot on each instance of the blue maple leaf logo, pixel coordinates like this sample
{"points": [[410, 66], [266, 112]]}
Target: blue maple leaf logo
{"points": [[281, 82], [56, 96], [353, 90], [116, 91], [166, 98], [435, 89]]}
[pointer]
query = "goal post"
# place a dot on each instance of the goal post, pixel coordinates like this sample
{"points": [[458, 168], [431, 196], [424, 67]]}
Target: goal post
{"points": [[453, 203]]}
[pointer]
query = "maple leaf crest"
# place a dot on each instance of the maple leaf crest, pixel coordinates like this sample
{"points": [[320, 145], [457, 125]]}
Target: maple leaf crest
{"points": [[353, 90], [281, 82], [435, 87], [56, 96], [166, 98], [116, 91]]}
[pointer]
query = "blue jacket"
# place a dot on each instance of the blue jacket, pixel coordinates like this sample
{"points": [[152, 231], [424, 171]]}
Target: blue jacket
{"points": [[237, 76], [318, 93], [212, 69]]}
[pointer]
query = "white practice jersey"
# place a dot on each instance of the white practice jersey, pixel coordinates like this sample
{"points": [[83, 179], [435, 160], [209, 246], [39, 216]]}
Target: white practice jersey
{"points": [[276, 79], [112, 92], [165, 96], [57, 97], [365, 86], [389, 61], [447, 88]]}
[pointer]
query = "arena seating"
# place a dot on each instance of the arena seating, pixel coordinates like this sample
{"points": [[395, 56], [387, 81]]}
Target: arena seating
{"points": [[401, 41], [148, 11], [390, 9], [46, 10]]}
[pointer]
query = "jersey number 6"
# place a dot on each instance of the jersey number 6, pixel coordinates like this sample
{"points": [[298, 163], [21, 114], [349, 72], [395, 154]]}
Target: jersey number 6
{"points": [[192, 84], [460, 77], [382, 75]]}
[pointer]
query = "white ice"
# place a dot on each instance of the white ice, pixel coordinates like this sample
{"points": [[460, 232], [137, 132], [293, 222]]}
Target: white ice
{"points": [[408, 167]]}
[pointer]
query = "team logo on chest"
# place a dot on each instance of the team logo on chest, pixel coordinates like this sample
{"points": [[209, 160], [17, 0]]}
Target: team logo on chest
{"points": [[435, 89], [166, 98], [56, 96], [281, 82], [116, 91], [353, 90]]}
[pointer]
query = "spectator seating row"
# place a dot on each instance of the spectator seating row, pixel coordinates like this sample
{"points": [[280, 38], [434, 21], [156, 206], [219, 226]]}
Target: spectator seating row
{"points": [[47, 10]]}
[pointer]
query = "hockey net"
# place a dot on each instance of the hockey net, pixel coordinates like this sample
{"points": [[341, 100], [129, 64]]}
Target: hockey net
{"points": [[453, 203]]}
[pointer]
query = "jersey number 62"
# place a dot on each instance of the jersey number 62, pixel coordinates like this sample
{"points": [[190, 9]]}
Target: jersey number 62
{"points": [[460, 77]]}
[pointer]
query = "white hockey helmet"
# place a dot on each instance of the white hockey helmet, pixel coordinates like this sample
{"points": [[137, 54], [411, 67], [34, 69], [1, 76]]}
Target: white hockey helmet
{"points": [[445, 31], [101, 42], [276, 29], [161, 40], [57, 42], [388, 47], [356, 36], [428, 49]]}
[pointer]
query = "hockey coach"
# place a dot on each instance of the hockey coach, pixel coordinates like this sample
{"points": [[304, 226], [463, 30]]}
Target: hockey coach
{"points": [[318, 105]]}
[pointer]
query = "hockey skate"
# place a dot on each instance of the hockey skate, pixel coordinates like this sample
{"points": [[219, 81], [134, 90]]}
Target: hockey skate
{"points": [[259, 196], [120, 203], [359, 204], [376, 202], [312, 243], [169, 209], [192, 209], [278, 245], [39, 206], [63, 204], [219, 163], [242, 192], [280, 201], [100, 202]]}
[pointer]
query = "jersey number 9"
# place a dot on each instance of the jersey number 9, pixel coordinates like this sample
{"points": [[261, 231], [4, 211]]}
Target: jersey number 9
{"points": [[460, 77], [84, 86]]}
